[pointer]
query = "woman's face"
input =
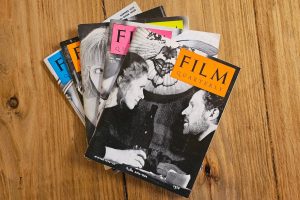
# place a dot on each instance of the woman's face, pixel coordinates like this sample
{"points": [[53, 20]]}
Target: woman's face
{"points": [[95, 75], [133, 93]]}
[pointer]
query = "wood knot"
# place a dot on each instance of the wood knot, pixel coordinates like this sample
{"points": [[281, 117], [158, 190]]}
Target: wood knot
{"points": [[212, 172], [13, 102], [207, 170], [20, 183]]}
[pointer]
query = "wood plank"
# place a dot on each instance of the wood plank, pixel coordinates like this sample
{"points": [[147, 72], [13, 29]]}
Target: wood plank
{"points": [[241, 145], [278, 25], [42, 141], [253, 154]]}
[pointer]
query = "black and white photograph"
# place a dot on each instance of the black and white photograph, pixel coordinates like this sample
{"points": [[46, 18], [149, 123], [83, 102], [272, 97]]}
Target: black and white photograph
{"points": [[93, 48], [154, 126], [71, 93], [113, 60], [92, 57]]}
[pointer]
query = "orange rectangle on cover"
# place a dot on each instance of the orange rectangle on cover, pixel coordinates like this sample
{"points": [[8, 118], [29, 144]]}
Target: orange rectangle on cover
{"points": [[74, 50], [203, 72]]}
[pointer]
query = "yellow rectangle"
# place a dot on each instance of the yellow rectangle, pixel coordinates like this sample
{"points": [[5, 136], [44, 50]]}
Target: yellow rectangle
{"points": [[203, 72], [171, 24]]}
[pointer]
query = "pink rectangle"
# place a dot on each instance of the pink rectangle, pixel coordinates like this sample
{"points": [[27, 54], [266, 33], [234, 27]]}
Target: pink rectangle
{"points": [[122, 36]]}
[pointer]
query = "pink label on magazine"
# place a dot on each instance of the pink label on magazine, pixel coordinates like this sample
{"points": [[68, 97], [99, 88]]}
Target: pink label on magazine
{"points": [[122, 36]]}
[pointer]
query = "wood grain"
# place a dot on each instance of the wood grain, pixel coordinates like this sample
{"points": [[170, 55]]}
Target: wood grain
{"points": [[254, 154], [42, 141], [279, 38]]}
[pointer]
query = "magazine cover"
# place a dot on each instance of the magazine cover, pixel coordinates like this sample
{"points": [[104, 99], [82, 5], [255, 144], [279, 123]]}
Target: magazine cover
{"points": [[163, 111], [58, 68], [93, 45]]}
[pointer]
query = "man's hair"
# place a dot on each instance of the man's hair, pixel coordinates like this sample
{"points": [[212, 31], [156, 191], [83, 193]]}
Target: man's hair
{"points": [[133, 67], [213, 101]]}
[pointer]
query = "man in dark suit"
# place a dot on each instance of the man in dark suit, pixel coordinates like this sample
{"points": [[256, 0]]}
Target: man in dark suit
{"points": [[201, 119]]}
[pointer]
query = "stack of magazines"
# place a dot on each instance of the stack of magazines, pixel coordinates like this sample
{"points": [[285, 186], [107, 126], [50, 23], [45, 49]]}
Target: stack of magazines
{"points": [[149, 91]]}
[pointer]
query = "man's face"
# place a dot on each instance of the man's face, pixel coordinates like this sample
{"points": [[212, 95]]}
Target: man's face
{"points": [[133, 93], [196, 119]]}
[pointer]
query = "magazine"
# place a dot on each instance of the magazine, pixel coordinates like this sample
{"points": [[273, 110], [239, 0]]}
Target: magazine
{"points": [[93, 51], [163, 110], [58, 68]]}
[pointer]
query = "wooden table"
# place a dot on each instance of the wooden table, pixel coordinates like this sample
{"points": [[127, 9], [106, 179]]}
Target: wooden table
{"points": [[254, 154]]}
